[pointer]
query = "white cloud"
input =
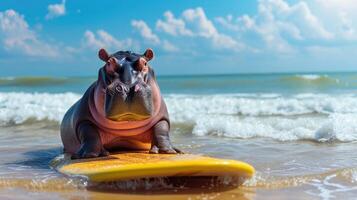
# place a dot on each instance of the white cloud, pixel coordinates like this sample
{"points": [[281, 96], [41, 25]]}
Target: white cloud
{"points": [[56, 10], [347, 5], [227, 22], [204, 27], [247, 21], [278, 23], [301, 16], [194, 23], [103, 39], [166, 45], [145, 31], [173, 26], [339, 15], [199, 22], [347, 29], [17, 36]]}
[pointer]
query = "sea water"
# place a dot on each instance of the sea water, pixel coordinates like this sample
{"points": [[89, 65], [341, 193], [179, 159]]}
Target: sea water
{"points": [[298, 130]]}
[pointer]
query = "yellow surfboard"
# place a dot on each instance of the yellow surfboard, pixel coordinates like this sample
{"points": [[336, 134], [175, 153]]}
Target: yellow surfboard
{"points": [[134, 165]]}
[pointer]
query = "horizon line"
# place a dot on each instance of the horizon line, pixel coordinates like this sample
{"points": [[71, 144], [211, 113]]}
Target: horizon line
{"points": [[205, 74]]}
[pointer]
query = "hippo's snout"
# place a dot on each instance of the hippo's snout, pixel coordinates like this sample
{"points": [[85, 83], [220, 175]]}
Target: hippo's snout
{"points": [[128, 102]]}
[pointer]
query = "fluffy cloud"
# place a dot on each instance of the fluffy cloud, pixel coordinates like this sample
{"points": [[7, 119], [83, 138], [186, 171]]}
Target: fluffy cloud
{"points": [[17, 36], [166, 45], [347, 28], [173, 26], [56, 10], [298, 16], [146, 32], [346, 5], [199, 22], [339, 15], [277, 23], [228, 22], [104, 40], [194, 23]]}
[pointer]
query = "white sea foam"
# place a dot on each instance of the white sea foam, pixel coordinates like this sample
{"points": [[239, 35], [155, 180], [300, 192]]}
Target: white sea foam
{"points": [[311, 76], [19, 107], [313, 79], [187, 107], [318, 117], [341, 127], [327, 189]]}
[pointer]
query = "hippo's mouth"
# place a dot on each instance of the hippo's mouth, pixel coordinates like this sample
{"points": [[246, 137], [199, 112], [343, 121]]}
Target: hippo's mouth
{"points": [[129, 116], [129, 107]]}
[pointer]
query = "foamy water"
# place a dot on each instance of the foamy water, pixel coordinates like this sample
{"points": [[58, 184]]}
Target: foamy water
{"points": [[19, 107], [319, 117]]}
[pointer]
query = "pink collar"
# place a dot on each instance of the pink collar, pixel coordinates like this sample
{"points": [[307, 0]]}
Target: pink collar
{"points": [[122, 128]]}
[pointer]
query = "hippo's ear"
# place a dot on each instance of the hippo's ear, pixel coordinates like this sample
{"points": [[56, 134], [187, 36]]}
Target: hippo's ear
{"points": [[103, 55], [149, 54]]}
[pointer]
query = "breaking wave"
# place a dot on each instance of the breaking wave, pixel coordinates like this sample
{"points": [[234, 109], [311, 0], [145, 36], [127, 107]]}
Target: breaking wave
{"points": [[19, 107], [310, 79], [317, 117], [32, 81]]}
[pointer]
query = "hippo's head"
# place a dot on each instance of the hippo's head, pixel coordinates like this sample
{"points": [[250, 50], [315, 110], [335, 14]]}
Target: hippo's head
{"points": [[126, 78]]}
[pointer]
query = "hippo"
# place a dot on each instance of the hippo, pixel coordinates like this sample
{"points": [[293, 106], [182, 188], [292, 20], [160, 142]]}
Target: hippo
{"points": [[122, 109]]}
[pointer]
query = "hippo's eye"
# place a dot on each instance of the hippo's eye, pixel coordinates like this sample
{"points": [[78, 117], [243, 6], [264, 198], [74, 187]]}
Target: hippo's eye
{"points": [[141, 64]]}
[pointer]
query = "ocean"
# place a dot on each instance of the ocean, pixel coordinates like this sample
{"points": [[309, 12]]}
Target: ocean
{"points": [[299, 130]]}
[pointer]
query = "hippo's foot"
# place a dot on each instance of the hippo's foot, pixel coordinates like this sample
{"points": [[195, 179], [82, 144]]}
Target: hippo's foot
{"points": [[91, 145], [161, 141], [90, 150], [167, 149]]}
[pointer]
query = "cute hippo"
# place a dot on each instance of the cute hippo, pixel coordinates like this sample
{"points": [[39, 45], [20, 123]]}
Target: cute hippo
{"points": [[123, 109]]}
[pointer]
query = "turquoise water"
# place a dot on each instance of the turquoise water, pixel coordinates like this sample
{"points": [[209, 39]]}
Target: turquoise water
{"points": [[205, 84]]}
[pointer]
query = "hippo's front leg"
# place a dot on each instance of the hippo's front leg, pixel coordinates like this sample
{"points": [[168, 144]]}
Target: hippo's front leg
{"points": [[161, 142], [91, 145]]}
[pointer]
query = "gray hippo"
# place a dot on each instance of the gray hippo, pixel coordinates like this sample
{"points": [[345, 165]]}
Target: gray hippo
{"points": [[122, 109]]}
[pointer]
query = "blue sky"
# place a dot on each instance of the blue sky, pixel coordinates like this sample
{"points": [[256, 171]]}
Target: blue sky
{"points": [[61, 38]]}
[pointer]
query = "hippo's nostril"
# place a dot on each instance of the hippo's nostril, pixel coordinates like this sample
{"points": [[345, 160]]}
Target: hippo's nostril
{"points": [[137, 88], [122, 89], [119, 88]]}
